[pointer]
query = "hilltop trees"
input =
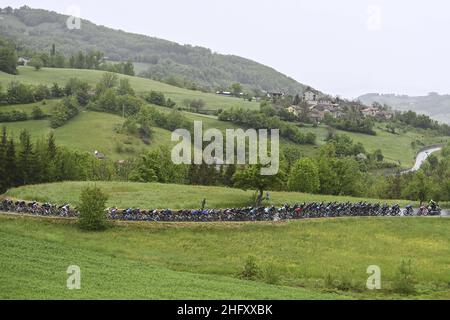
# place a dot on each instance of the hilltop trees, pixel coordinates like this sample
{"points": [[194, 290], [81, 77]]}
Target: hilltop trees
{"points": [[352, 124], [8, 57], [119, 100], [89, 60], [259, 120]]}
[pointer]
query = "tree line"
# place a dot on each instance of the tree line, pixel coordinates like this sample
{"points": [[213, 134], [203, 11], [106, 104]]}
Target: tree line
{"points": [[24, 160], [258, 120], [90, 60]]}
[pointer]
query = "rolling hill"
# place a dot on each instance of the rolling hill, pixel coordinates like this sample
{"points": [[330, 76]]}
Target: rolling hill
{"points": [[48, 76], [434, 105], [91, 131], [37, 30]]}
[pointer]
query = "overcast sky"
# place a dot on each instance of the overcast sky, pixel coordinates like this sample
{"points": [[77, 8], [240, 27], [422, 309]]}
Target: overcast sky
{"points": [[345, 47]]}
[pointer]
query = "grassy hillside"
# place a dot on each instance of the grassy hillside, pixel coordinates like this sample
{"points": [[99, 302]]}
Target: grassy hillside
{"points": [[48, 76], [34, 267], [161, 261], [28, 108], [39, 29], [161, 196], [395, 147], [91, 131], [98, 129]]}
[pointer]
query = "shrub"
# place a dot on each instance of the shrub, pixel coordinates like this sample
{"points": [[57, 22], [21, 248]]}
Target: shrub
{"points": [[37, 113], [41, 92], [404, 282], [63, 112], [170, 103], [155, 97], [345, 284], [19, 93], [251, 269], [197, 105], [329, 281], [92, 209], [13, 116], [270, 274]]}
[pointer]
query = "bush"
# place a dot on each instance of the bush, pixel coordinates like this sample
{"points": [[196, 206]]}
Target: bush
{"points": [[329, 282], [197, 105], [19, 93], [92, 209], [156, 98], [404, 282], [345, 284], [37, 113], [13, 116], [63, 112], [251, 269], [270, 274]]}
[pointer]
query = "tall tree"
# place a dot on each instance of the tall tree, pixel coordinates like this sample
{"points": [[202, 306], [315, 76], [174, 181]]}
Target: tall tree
{"points": [[26, 159], [10, 165], [250, 177], [3, 148], [8, 57], [304, 176]]}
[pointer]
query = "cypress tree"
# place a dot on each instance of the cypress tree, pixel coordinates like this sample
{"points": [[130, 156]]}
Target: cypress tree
{"points": [[26, 159], [3, 147], [10, 165]]}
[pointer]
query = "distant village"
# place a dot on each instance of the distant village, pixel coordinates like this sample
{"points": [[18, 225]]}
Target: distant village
{"points": [[319, 107]]}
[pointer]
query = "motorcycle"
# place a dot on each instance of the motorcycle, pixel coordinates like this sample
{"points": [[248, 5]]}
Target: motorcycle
{"points": [[436, 211]]}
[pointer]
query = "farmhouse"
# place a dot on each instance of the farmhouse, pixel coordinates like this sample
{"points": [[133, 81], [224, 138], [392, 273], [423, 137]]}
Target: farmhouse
{"points": [[275, 95], [309, 96], [316, 115], [370, 112], [377, 113], [23, 61], [224, 93]]}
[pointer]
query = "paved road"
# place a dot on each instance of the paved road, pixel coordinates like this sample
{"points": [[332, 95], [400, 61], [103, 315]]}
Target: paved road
{"points": [[421, 157]]}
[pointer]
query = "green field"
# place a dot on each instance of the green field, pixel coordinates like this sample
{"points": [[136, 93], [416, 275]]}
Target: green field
{"points": [[96, 131], [163, 196], [93, 131], [204, 261], [28, 108], [395, 147], [48, 76], [90, 131]]}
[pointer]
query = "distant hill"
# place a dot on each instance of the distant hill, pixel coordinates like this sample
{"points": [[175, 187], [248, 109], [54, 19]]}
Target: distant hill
{"points": [[434, 105], [37, 29]]}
